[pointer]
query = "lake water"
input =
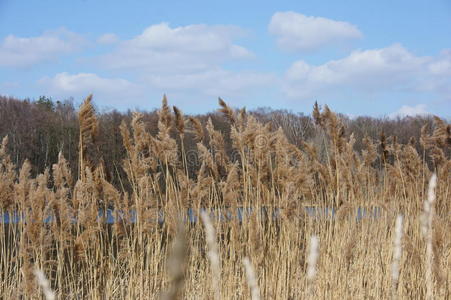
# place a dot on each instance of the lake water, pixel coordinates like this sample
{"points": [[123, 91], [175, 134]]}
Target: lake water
{"points": [[110, 217]]}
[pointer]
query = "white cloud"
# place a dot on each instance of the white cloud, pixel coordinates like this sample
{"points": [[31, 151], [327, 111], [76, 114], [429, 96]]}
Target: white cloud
{"points": [[82, 84], [186, 59], [372, 71], [201, 88], [439, 75], [411, 111], [163, 49], [297, 32], [25, 52], [108, 38], [442, 66], [214, 82]]}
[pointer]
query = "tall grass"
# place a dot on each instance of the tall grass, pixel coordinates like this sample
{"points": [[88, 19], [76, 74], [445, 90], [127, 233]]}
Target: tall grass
{"points": [[277, 250]]}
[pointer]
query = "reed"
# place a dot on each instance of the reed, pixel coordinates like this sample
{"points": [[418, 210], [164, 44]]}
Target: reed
{"points": [[270, 201], [397, 251]]}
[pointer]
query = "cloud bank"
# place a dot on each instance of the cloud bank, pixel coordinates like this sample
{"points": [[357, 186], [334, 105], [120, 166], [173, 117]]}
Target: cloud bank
{"points": [[82, 84], [25, 52], [191, 48], [383, 70], [297, 32], [410, 111]]}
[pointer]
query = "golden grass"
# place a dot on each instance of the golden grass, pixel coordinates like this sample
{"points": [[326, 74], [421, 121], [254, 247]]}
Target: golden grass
{"points": [[291, 256]]}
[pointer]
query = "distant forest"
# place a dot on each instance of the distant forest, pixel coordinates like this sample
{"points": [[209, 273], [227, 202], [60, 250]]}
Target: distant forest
{"points": [[39, 130]]}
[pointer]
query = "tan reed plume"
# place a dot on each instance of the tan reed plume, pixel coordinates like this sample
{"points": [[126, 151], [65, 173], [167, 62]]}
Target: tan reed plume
{"points": [[44, 284], [198, 129], [312, 257], [251, 279], [227, 111], [88, 133], [213, 254], [317, 115], [179, 120], [428, 217], [164, 114], [177, 264], [312, 260], [397, 250]]}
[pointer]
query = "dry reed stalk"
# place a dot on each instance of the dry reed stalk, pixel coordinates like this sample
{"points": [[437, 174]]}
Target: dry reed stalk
{"points": [[127, 262], [231, 187], [180, 126], [217, 145], [397, 251], [213, 254], [251, 279], [44, 284], [312, 260], [207, 157], [428, 218], [177, 264]]}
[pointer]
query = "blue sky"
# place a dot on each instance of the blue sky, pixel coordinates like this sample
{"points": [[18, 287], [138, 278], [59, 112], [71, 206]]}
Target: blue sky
{"points": [[381, 58]]}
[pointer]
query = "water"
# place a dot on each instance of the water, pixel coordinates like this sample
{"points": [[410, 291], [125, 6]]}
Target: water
{"points": [[108, 216]]}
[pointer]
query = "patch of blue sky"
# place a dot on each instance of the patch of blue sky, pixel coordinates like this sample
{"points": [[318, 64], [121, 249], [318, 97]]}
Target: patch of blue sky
{"points": [[413, 38]]}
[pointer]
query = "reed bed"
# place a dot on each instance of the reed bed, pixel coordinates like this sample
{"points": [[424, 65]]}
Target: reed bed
{"points": [[56, 244]]}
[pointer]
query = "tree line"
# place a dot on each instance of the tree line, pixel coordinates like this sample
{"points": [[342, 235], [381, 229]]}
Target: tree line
{"points": [[38, 130]]}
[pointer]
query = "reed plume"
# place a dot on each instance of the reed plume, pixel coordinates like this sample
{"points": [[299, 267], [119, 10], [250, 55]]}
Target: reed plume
{"points": [[177, 264], [227, 111], [112, 240], [44, 284], [88, 134], [165, 113], [312, 260], [179, 120], [397, 251], [213, 254], [428, 217], [7, 177], [198, 129], [251, 279]]}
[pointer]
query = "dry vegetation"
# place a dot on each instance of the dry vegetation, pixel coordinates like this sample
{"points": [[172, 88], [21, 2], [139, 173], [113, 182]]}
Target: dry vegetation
{"points": [[334, 255]]}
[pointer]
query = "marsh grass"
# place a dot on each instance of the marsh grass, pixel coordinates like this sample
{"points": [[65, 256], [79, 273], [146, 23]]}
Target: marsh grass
{"points": [[251, 256]]}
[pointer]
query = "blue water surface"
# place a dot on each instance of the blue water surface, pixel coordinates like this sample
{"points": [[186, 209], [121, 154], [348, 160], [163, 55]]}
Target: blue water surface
{"points": [[109, 216]]}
